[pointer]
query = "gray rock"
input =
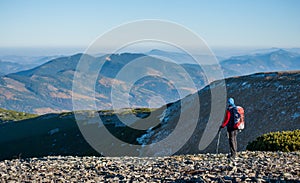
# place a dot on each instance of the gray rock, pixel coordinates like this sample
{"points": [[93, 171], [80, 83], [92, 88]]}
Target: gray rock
{"points": [[249, 166]]}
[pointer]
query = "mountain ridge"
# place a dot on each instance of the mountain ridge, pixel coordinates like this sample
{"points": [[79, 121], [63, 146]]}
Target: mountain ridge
{"points": [[48, 88]]}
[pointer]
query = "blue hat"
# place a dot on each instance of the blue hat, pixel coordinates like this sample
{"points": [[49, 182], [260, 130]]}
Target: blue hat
{"points": [[231, 102]]}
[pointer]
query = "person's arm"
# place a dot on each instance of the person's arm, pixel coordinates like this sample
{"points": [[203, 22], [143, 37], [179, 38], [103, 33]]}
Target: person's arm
{"points": [[226, 119]]}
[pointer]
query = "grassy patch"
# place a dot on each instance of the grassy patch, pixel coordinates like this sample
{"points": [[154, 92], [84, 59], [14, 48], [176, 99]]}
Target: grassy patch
{"points": [[9, 115]]}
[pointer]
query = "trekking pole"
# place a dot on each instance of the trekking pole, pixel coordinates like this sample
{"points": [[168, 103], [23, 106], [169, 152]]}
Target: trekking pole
{"points": [[218, 142]]}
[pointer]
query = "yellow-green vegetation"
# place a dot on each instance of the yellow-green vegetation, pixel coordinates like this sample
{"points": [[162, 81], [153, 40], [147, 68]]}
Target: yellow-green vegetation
{"points": [[128, 111], [9, 115], [142, 110], [285, 141]]}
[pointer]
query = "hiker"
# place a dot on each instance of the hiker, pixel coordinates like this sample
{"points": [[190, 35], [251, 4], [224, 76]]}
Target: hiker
{"points": [[229, 121]]}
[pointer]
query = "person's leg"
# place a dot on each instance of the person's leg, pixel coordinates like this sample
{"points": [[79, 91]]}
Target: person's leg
{"points": [[233, 143]]}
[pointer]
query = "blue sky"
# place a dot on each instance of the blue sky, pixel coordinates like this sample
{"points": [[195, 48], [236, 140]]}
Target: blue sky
{"points": [[54, 23]]}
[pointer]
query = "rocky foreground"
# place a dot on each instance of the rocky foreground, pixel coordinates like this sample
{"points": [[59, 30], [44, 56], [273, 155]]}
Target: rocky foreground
{"points": [[248, 167]]}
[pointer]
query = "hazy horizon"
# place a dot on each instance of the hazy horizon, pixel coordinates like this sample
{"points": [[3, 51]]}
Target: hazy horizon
{"points": [[64, 51]]}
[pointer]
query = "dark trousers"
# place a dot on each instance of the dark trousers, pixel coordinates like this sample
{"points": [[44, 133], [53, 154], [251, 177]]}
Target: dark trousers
{"points": [[232, 142]]}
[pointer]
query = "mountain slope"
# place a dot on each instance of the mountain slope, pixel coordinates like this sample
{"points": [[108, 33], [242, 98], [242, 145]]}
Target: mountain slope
{"points": [[58, 134], [271, 102], [48, 88]]}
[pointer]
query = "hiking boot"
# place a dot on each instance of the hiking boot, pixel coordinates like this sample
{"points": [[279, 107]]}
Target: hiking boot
{"points": [[232, 158]]}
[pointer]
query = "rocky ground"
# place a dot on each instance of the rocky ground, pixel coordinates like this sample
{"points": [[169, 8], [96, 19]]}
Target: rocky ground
{"points": [[248, 167]]}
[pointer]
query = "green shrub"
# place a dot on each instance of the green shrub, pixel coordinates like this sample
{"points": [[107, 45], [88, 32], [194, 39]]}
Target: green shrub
{"points": [[285, 141]]}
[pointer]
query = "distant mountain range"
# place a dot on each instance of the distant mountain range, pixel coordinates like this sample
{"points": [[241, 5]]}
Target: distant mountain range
{"points": [[271, 102], [9, 67], [279, 60], [26, 60], [180, 57], [48, 87], [11, 63]]}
